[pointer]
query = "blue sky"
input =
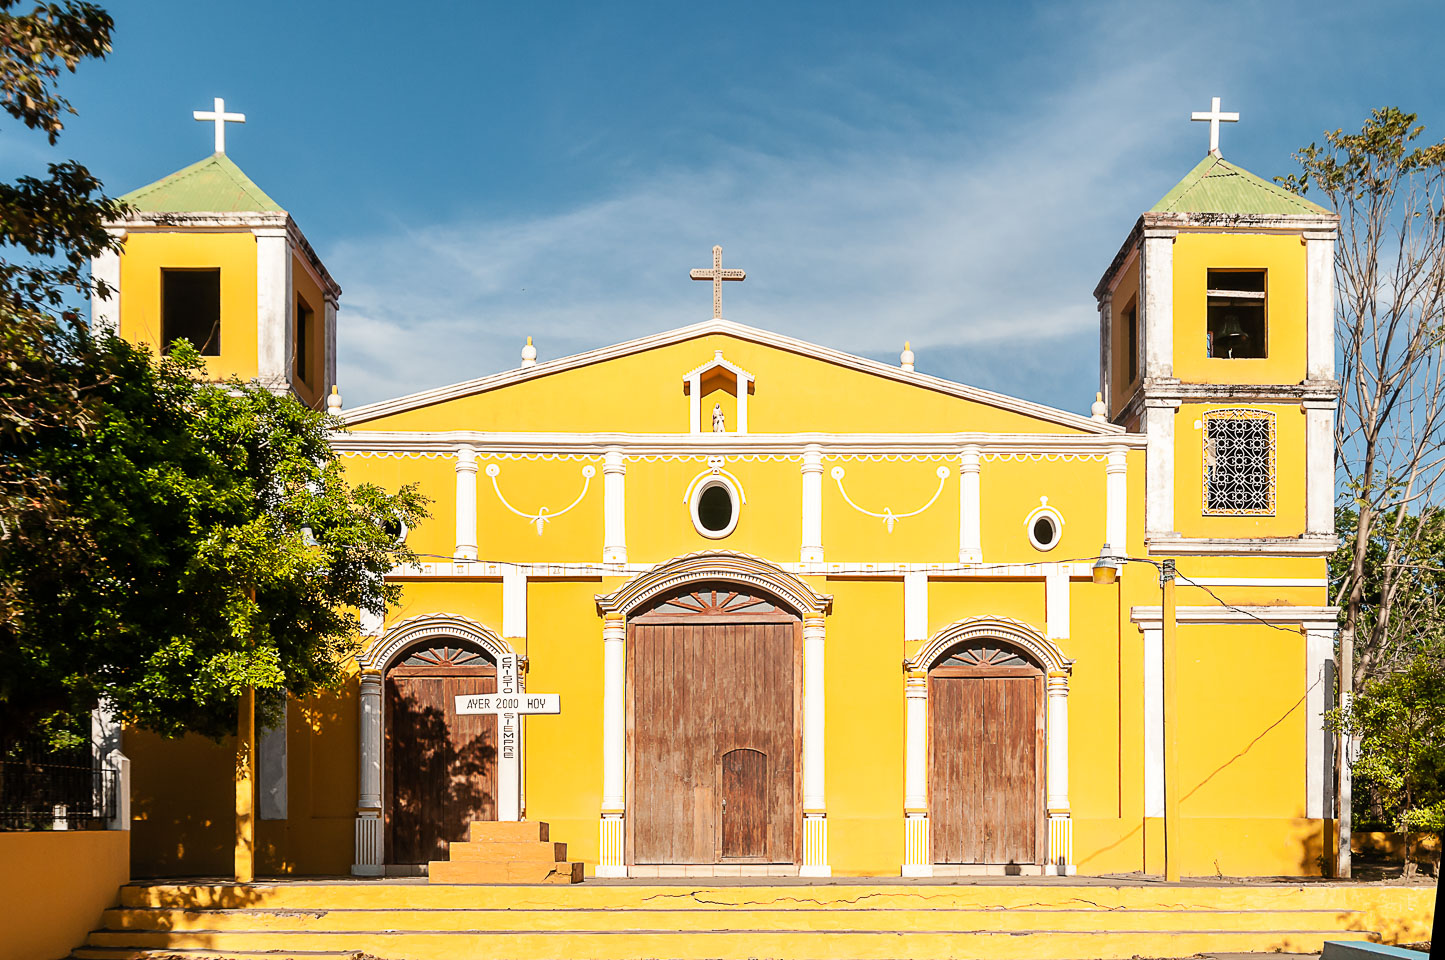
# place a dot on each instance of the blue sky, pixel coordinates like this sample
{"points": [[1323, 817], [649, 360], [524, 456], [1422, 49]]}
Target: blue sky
{"points": [[958, 176]]}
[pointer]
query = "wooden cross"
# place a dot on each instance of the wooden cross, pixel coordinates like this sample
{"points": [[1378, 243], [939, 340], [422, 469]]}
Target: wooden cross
{"points": [[1214, 117], [717, 275], [220, 117]]}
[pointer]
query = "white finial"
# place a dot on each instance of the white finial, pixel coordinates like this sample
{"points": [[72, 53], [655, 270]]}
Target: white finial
{"points": [[220, 117], [1214, 117], [529, 354], [333, 402], [905, 359], [1099, 410]]}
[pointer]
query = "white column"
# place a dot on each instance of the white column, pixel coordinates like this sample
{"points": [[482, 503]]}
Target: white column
{"points": [[1156, 302], [1061, 827], [271, 769], [917, 852], [1319, 742], [1319, 468], [694, 409], [915, 606], [330, 359], [1320, 305], [614, 749], [614, 507], [1056, 603], [1159, 467], [1116, 502], [106, 741], [466, 467], [742, 387], [815, 822], [812, 551], [368, 804], [509, 736], [274, 346], [1154, 722], [970, 526], [514, 603], [105, 312]]}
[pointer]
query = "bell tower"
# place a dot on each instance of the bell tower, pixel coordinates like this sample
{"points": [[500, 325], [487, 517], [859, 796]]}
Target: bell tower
{"points": [[210, 258], [1217, 341]]}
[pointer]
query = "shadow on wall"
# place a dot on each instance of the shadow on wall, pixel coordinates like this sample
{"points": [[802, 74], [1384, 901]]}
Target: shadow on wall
{"points": [[442, 778], [183, 805]]}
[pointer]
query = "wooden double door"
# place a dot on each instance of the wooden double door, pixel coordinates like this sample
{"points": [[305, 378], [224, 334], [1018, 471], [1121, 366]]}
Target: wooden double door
{"points": [[441, 767], [986, 755], [713, 729]]}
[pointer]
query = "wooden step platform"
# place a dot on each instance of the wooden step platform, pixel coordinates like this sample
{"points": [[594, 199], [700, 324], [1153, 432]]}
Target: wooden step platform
{"points": [[506, 852]]}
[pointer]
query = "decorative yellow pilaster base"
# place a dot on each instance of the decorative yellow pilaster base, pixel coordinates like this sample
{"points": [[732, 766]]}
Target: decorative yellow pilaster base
{"points": [[815, 846], [609, 846], [917, 848], [1061, 844]]}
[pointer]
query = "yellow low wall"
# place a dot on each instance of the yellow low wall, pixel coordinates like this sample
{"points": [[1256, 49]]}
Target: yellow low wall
{"points": [[54, 886]]}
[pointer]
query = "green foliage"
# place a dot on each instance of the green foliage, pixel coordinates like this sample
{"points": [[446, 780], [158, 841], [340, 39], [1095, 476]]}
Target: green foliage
{"points": [[1356, 166]]}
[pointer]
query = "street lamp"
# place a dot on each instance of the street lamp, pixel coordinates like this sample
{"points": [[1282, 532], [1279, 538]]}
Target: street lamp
{"points": [[1106, 571]]}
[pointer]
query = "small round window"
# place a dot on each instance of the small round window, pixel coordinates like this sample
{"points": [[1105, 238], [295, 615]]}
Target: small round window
{"points": [[1044, 526], [715, 508]]}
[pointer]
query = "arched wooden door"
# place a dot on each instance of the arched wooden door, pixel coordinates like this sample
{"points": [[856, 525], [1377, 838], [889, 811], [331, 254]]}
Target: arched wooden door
{"points": [[713, 729], [441, 768], [986, 756]]}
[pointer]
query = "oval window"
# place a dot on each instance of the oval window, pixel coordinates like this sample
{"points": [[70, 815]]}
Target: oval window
{"points": [[1044, 532], [1044, 526], [715, 508]]}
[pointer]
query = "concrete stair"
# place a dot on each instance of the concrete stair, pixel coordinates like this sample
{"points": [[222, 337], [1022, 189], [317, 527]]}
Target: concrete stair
{"points": [[506, 852], [1048, 920]]}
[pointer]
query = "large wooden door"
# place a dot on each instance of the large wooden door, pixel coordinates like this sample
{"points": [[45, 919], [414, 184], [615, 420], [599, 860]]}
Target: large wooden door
{"points": [[441, 768], [713, 730], [985, 733]]}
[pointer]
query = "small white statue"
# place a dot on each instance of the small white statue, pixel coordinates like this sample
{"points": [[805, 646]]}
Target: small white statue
{"points": [[717, 419]]}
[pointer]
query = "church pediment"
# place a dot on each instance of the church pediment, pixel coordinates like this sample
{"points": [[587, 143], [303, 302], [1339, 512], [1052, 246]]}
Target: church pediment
{"points": [[716, 376]]}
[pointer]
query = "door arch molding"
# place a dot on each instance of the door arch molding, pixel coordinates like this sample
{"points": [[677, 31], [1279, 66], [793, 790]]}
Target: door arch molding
{"points": [[1043, 650], [717, 566]]}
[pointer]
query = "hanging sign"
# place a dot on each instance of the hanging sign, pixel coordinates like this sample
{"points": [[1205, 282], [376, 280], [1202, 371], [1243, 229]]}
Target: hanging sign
{"points": [[507, 703]]}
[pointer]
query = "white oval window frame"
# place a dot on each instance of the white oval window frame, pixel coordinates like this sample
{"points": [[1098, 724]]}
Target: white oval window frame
{"points": [[733, 494], [1041, 511]]}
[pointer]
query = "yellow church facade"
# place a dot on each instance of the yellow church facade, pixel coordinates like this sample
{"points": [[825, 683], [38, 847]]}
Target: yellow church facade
{"points": [[800, 613]]}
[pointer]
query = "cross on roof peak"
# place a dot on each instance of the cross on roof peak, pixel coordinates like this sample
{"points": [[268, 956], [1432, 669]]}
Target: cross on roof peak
{"points": [[717, 275], [1214, 117], [220, 117]]}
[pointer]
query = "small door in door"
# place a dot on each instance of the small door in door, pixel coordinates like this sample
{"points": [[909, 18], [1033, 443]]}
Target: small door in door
{"points": [[744, 804]]}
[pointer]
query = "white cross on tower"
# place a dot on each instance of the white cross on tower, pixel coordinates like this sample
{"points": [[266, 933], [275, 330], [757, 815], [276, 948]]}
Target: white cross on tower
{"points": [[717, 275], [221, 118], [1214, 117]]}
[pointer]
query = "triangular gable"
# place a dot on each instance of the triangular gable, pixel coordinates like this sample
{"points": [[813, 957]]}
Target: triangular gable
{"points": [[212, 185], [405, 412], [1217, 186]]}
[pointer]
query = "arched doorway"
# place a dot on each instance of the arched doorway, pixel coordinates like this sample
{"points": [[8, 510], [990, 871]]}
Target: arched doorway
{"points": [[986, 755], [441, 767], [713, 721]]}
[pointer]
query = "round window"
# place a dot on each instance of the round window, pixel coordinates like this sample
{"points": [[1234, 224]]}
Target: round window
{"points": [[1044, 526], [715, 508]]}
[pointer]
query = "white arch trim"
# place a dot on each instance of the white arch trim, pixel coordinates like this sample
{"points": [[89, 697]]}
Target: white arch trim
{"points": [[380, 654], [724, 565], [1016, 632]]}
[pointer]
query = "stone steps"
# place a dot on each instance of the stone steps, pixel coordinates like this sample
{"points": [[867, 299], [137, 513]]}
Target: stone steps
{"points": [[500, 852]]}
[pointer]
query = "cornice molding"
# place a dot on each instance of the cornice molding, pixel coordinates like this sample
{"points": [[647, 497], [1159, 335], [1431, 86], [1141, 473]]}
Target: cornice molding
{"points": [[1313, 391], [1242, 546], [1307, 617]]}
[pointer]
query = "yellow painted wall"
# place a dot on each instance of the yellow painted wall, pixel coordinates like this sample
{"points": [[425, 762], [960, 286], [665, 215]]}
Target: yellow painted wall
{"points": [[1283, 259], [1288, 519], [312, 390], [902, 487], [147, 254], [54, 887]]}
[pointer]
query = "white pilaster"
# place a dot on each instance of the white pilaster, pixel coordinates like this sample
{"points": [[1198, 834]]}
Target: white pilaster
{"points": [[330, 359], [105, 311], [509, 733], [815, 824], [614, 507], [1320, 306], [812, 548], [970, 524], [1116, 502], [1056, 604], [742, 388], [1154, 722], [915, 606], [369, 848], [1319, 742], [271, 788], [466, 467], [917, 854], [275, 345], [614, 749], [106, 740], [1106, 349], [1159, 467], [514, 604], [1061, 828], [1319, 468], [694, 407], [1156, 302]]}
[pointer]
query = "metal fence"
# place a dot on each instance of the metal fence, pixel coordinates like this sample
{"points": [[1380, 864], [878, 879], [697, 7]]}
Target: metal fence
{"points": [[56, 796]]}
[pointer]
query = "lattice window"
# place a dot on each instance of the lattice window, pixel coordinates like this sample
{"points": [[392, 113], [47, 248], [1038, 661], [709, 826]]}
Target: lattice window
{"points": [[716, 600], [1239, 462], [984, 654], [445, 656]]}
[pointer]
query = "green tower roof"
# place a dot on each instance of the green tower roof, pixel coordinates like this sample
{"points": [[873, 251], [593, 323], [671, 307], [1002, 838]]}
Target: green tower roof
{"points": [[1217, 186], [214, 185]]}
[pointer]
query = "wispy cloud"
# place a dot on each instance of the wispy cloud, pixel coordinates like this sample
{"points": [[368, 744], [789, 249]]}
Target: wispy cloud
{"points": [[980, 242]]}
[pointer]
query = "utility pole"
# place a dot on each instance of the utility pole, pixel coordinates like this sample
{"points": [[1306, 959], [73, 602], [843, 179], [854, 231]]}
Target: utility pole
{"points": [[1172, 847], [1345, 672], [246, 787]]}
